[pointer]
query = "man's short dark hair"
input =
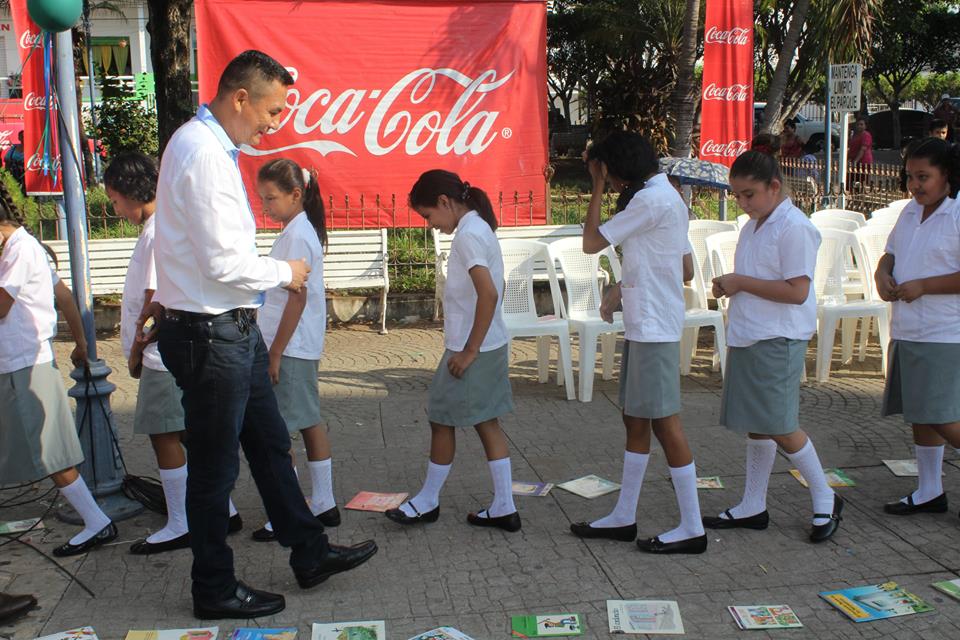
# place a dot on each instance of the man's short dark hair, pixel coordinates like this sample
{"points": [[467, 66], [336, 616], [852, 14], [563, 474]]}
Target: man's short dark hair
{"points": [[249, 69], [936, 123], [133, 175]]}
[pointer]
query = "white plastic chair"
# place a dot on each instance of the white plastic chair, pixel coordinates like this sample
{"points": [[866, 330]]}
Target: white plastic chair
{"points": [[520, 311], [828, 221], [697, 234], [873, 242], [884, 216], [832, 303], [898, 205], [742, 220], [699, 315], [581, 275], [721, 249], [839, 214]]}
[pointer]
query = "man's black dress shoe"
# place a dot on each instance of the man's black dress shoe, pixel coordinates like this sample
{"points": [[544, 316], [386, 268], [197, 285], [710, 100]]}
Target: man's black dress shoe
{"points": [[107, 534], [398, 516], [690, 545], [757, 521], [900, 508], [12, 607], [144, 548], [509, 522], [822, 532], [242, 604], [626, 533], [235, 524], [337, 560], [329, 518]]}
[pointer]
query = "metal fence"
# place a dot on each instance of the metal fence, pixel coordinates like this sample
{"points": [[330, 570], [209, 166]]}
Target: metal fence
{"points": [[869, 186]]}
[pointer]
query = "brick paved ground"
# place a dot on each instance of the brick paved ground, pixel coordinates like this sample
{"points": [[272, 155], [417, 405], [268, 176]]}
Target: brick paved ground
{"points": [[374, 391]]}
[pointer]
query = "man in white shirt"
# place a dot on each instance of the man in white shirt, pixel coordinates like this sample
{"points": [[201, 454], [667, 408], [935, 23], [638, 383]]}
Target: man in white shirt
{"points": [[210, 281]]}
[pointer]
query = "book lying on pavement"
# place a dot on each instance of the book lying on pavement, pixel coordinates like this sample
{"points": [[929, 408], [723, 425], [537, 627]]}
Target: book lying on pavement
{"points": [[372, 501], [765, 616], [876, 602], [365, 630], [644, 616], [535, 489], [835, 478], [710, 482], [200, 633], [19, 526], [904, 468], [589, 486], [949, 587], [443, 633], [552, 626], [252, 633], [81, 633]]}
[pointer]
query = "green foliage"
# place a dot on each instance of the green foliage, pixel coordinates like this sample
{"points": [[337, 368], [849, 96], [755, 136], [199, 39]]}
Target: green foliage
{"points": [[125, 125]]}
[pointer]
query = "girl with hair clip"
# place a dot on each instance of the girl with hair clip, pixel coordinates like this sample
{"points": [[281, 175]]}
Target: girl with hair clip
{"points": [[38, 437], [920, 274], [294, 323], [771, 317], [471, 386], [651, 229]]}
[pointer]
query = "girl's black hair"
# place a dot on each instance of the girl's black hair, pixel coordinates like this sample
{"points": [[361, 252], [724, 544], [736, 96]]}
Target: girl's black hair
{"points": [[133, 175], [288, 175], [428, 188], [630, 157], [756, 165], [10, 214], [939, 153]]}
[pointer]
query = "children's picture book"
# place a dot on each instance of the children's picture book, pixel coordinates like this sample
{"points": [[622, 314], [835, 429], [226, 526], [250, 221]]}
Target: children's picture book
{"points": [[949, 587], [710, 482], [552, 626], [644, 616], [253, 633], [835, 478], [364, 630], [442, 633], [535, 489], [589, 486], [373, 501], [200, 633], [81, 633], [19, 526], [765, 616], [904, 468], [876, 602]]}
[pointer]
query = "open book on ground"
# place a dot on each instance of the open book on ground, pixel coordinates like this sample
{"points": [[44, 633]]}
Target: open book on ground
{"points": [[589, 486], [252, 633], [80, 633], [363, 630], [550, 626], [372, 501], [765, 616], [904, 468], [535, 489], [876, 602], [949, 587], [442, 633], [710, 482], [199, 633], [644, 616], [835, 478], [19, 526]]}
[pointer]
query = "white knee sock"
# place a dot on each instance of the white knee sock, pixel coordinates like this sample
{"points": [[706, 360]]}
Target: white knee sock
{"points": [[502, 474], [685, 486], [929, 468], [174, 483], [808, 463], [625, 512], [269, 525], [321, 479], [233, 508], [429, 497], [761, 454], [83, 502]]}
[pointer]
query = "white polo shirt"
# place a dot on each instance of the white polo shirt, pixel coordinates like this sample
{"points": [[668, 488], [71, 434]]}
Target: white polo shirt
{"points": [[652, 231], [26, 331], [141, 275], [298, 240], [923, 250], [474, 244], [784, 247]]}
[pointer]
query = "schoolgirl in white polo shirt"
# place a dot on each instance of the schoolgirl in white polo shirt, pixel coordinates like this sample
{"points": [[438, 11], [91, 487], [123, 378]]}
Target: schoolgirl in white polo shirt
{"points": [[920, 275], [651, 229], [471, 386], [38, 437], [772, 315], [293, 324]]}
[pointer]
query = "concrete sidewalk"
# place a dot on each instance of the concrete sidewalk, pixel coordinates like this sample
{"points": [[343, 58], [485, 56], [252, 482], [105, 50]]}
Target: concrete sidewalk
{"points": [[448, 573]]}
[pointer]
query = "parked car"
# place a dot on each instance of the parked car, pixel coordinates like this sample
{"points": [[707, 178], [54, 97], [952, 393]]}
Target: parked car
{"points": [[807, 129], [914, 123]]}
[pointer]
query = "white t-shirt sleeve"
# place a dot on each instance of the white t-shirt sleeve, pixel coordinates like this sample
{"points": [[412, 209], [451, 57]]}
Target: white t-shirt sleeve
{"points": [[798, 246], [638, 217], [472, 251], [14, 271], [149, 268]]}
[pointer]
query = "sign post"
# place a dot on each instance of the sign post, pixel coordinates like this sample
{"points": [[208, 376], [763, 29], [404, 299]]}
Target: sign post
{"points": [[845, 87]]}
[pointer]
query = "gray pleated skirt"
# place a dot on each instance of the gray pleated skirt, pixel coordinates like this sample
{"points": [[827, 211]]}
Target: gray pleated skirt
{"points": [[761, 387], [923, 382], [483, 393], [159, 409], [38, 435], [650, 379], [298, 394]]}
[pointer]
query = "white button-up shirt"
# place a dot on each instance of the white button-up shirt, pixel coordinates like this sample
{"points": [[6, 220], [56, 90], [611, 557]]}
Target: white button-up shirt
{"points": [[923, 250], [652, 231], [298, 240], [141, 275], [205, 246], [26, 330], [474, 244], [783, 248]]}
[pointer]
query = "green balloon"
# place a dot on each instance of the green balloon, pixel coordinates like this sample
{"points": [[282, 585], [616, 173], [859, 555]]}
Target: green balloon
{"points": [[55, 15]]}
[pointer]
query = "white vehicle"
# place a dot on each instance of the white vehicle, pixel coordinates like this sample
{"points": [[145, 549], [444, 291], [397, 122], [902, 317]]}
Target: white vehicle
{"points": [[806, 129]]}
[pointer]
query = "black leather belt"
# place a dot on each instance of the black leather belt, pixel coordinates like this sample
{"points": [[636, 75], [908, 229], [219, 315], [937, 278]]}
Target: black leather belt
{"points": [[240, 315]]}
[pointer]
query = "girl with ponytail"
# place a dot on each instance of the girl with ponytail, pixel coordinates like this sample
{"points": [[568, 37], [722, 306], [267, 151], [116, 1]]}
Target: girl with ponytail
{"points": [[293, 324], [471, 387]]}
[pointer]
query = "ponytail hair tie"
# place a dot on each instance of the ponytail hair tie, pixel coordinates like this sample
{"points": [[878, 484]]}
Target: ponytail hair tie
{"points": [[306, 176], [466, 191]]}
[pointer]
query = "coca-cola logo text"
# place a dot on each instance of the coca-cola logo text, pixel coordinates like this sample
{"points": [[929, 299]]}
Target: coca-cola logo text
{"points": [[29, 40], [734, 36], [36, 163], [733, 93], [460, 127], [730, 149], [33, 102]]}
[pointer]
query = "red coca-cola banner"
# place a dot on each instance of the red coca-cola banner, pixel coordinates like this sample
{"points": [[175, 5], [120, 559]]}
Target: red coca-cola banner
{"points": [[727, 112], [39, 132], [387, 90]]}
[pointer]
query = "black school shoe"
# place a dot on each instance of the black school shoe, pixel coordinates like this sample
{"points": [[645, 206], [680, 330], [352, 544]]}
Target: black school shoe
{"points": [[908, 508], [235, 524], [509, 522], [757, 521], [690, 545], [398, 516], [242, 604], [329, 518], [337, 560], [626, 533], [144, 548], [823, 532], [105, 535]]}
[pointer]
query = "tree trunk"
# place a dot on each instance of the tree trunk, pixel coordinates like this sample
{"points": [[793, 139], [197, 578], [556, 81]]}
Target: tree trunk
{"points": [[169, 28], [682, 101], [895, 114], [778, 85]]}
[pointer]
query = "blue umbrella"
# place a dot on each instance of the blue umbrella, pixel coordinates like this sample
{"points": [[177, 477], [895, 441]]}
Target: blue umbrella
{"points": [[696, 173]]}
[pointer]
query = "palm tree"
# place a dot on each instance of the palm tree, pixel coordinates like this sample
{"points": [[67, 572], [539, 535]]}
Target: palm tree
{"points": [[778, 85], [169, 27], [682, 102]]}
